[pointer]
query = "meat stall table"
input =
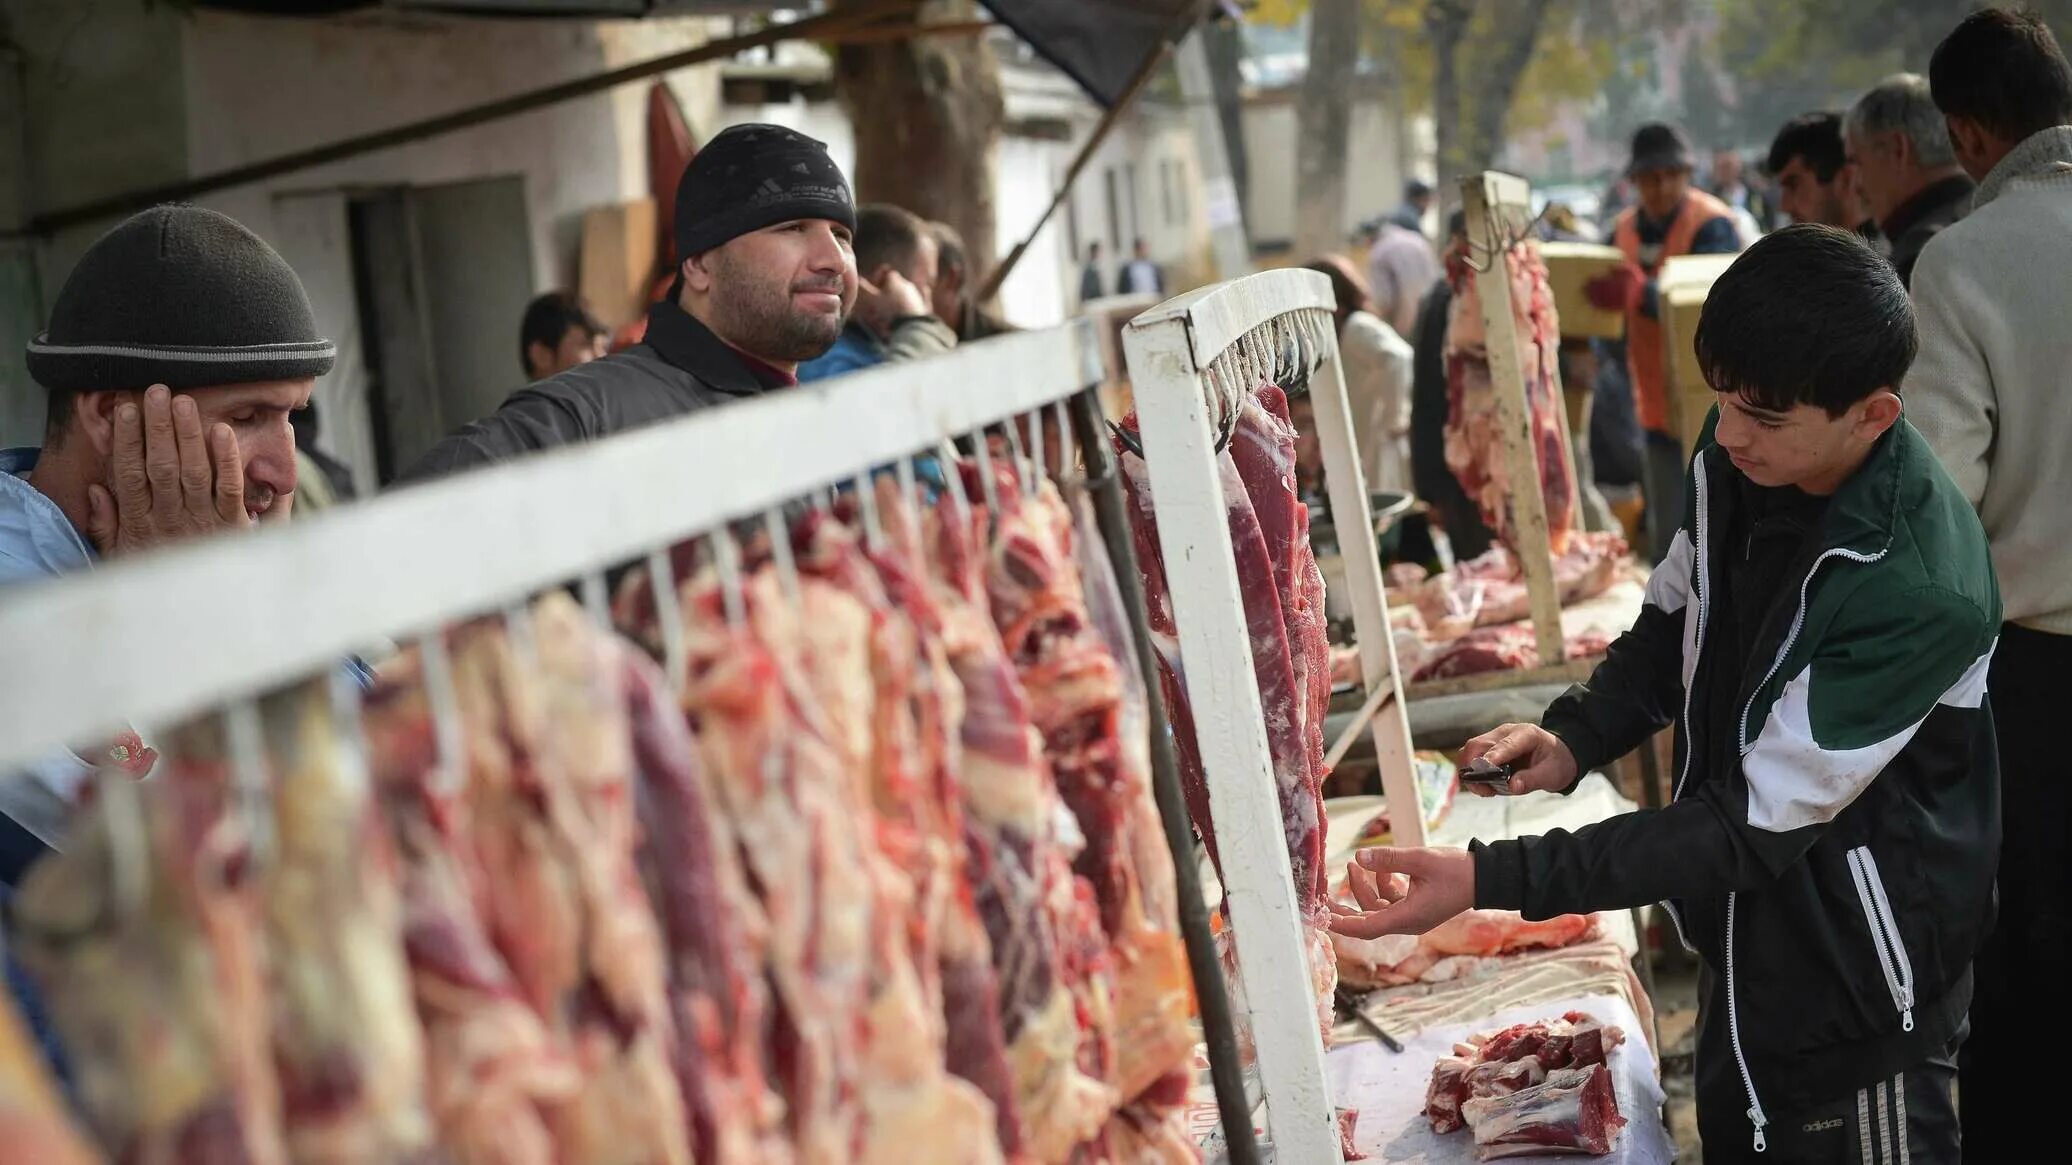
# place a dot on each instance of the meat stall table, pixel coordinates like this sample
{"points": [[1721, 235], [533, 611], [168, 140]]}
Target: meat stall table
{"points": [[1595, 977]]}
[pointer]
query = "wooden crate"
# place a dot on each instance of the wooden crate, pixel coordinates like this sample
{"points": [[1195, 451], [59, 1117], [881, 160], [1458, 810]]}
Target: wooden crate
{"points": [[1684, 284], [1570, 267]]}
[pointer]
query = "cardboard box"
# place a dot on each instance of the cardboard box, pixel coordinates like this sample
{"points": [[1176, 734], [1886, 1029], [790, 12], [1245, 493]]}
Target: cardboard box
{"points": [[1684, 284], [1571, 266], [617, 261]]}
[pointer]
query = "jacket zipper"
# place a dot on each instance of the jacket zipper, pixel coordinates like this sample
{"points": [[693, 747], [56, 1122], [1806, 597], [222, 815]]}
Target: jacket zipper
{"points": [[1798, 623], [1755, 1107], [1892, 954]]}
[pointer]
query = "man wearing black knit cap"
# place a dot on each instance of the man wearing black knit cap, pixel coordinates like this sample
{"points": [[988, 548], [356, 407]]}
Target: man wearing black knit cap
{"points": [[764, 225]]}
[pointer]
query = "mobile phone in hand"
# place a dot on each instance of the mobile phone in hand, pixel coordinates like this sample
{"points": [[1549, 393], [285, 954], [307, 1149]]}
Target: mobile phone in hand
{"points": [[1481, 772]]}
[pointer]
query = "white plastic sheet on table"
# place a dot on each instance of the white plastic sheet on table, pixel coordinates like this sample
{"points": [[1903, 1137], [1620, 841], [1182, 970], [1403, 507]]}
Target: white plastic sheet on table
{"points": [[1181, 355]]}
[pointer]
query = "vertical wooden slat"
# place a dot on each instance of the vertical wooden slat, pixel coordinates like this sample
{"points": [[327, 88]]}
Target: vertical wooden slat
{"points": [[1496, 207]]}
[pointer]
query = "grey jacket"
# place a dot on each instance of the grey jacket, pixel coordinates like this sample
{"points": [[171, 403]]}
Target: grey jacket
{"points": [[1922, 217], [678, 368]]}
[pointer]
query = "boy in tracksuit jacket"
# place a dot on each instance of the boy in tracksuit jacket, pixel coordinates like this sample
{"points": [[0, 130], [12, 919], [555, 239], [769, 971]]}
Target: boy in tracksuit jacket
{"points": [[1819, 634]]}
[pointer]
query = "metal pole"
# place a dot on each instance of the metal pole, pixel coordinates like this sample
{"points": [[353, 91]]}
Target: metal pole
{"points": [[826, 24], [1219, 1030]]}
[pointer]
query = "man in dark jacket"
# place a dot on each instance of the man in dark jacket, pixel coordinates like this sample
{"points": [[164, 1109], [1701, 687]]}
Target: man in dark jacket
{"points": [[1906, 166], [764, 220], [1820, 634]]}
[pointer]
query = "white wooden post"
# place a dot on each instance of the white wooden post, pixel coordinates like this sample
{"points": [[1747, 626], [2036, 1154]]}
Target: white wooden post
{"points": [[1354, 519], [1179, 449], [1497, 208]]}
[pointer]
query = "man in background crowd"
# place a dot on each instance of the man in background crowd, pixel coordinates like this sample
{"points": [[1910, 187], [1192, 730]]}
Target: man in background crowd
{"points": [[1905, 166], [1401, 268], [953, 297], [557, 334], [1989, 394], [1815, 182], [1140, 276], [897, 269], [1417, 202], [764, 223], [321, 480], [1751, 210], [1672, 218], [1091, 282]]}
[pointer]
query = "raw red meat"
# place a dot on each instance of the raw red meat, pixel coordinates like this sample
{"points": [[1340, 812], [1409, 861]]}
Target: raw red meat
{"points": [[161, 1002], [713, 930], [1490, 589], [1532, 1087], [1289, 705], [1574, 1111], [1348, 1118], [347, 1047], [490, 1070], [1474, 447], [1042, 923], [1452, 948], [550, 803], [1507, 647], [1447, 1092]]}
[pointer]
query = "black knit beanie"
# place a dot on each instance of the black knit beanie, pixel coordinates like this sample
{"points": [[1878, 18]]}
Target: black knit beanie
{"points": [[752, 176], [183, 297]]}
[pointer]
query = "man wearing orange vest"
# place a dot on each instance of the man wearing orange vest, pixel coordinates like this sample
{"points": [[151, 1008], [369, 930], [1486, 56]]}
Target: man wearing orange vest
{"points": [[1672, 217]]}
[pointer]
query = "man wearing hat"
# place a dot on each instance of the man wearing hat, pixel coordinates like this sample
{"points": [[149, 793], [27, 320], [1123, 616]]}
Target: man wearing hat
{"points": [[176, 351], [1671, 218], [764, 222]]}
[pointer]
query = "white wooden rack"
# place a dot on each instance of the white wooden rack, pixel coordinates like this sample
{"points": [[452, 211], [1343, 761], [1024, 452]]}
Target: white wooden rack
{"points": [[1190, 360], [165, 637]]}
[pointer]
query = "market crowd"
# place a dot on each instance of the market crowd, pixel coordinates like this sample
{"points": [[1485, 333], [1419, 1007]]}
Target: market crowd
{"points": [[181, 352]]}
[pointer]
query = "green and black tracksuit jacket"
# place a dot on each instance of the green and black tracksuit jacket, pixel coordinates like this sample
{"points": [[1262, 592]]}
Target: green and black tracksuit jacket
{"points": [[1835, 825]]}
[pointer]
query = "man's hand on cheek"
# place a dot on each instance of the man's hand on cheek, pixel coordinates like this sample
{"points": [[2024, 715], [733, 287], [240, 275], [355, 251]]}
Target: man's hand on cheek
{"points": [[168, 479]]}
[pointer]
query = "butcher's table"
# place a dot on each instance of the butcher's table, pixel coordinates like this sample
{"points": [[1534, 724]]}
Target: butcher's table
{"points": [[1387, 1088]]}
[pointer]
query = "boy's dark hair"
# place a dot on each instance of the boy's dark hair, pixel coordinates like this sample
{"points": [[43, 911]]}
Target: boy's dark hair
{"points": [[1808, 315], [2005, 71], [887, 235], [1816, 137], [547, 319]]}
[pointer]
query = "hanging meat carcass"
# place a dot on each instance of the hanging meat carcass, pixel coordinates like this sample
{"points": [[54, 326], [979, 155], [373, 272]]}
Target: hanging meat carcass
{"points": [[861, 657], [714, 931], [1474, 441], [1042, 923], [491, 1072], [1040, 599], [347, 1047], [145, 935], [1279, 634]]}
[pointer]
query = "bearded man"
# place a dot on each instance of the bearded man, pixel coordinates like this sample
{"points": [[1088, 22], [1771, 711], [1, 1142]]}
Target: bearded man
{"points": [[765, 222]]}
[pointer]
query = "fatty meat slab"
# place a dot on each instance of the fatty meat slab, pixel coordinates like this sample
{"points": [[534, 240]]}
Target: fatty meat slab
{"points": [[347, 1046], [147, 944]]}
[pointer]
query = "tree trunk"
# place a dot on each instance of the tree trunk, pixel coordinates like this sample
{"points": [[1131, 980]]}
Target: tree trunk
{"points": [[927, 113], [1325, 116], [1516, 36], [1446, 24]]}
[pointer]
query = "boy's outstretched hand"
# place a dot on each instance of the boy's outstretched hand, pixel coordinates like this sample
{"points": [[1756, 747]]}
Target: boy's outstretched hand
{"points": [[1404, 891], [1541, 761]]}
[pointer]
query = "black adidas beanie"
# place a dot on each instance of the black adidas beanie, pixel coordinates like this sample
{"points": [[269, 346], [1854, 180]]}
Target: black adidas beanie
{"points": [[752, 176], [183, 297]]}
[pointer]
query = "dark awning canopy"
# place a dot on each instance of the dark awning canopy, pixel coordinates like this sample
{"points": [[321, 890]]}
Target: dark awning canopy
{"points": [[1100, 44]]}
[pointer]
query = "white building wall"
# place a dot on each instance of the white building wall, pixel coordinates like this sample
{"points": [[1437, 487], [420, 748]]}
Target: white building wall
{"points": [[1375, 172]]}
